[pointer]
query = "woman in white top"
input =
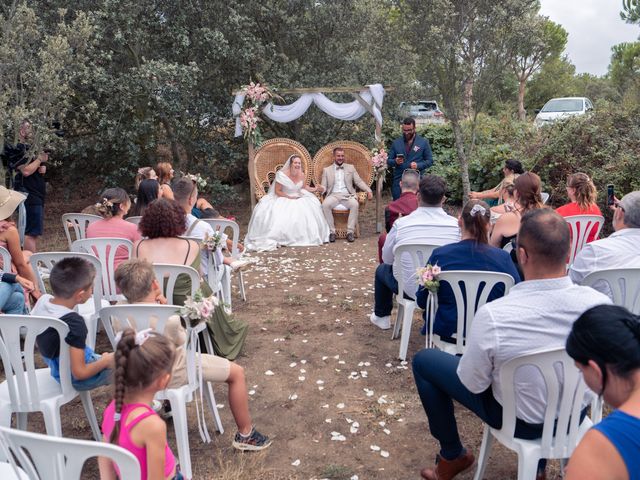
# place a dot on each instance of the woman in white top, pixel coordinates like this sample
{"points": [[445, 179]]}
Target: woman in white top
{"points": [[289, 215]]}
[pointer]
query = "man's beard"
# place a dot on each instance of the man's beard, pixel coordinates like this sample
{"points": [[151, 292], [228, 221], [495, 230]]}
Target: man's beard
{"points": [[408, 136]]}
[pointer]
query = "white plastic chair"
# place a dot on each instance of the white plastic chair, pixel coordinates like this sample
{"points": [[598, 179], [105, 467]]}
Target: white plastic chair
{"points": [[135, 219], [419, 254], [178, 397], [22, 219], [30, 389], [624, 286], [41, 263], [545, 197], [116, 317], [6, 259], [105, 250], [41, 457], [564, 400], [78, 222], [167, 275], [581, 226], [34, 456], [475, 298], [221, 225]]}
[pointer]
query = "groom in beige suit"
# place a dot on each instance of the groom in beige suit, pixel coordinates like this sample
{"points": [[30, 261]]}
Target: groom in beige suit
{"points": [[340, 181]]}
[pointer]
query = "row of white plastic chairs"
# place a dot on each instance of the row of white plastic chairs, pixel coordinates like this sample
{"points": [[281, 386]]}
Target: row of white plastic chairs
{"points": [[41, 457], [75, 227], [30, 389]]}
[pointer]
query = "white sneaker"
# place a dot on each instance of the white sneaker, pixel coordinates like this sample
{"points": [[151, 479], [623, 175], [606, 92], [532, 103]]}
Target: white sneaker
{"points": [[241, 264], [383, 323]]}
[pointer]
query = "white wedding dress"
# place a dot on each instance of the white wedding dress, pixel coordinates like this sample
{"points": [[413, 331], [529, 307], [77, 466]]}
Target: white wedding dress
{"points": [[280, 221]]}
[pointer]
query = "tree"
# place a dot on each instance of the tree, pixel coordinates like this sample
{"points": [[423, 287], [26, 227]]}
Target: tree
{"points": [[461, 43], [630, 11], [555, 79], [624, 69], [536, 40], [39, 65]]}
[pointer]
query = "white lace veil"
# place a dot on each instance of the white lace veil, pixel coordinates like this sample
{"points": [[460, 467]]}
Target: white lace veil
{"points": [[285, 169]]}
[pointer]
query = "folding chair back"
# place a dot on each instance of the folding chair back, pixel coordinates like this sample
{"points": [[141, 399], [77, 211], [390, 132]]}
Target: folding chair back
{"points": [[581, 227], [78, 222], [624, 286], [117, 317]]}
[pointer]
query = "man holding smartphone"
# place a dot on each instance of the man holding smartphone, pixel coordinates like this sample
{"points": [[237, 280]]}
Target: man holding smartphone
{"points": [[408, 152]]}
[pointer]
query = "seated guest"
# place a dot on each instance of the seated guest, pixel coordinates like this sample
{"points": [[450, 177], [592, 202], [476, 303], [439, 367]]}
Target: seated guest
{"points": [[10, 239], [72, 284], [145, 173], [512, 168], [212, 213], [527, 196], [537, 313], [12, 289], [148, 191], [619, 250], [428, 224], [471, 253], [605, 344], [401, 207], [509, 201], [583, 196], [162, 225], [139, 285], [185, 192], [165, 175], [114, 205]]}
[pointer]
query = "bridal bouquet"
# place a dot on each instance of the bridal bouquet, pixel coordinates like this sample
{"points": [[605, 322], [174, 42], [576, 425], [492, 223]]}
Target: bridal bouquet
{"points": [[379, 162], [198, 308], [428, 277], [198, 179], [212, 242]]}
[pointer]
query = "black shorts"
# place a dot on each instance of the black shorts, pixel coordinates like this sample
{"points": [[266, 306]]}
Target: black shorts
{"points": [[35, 220]]}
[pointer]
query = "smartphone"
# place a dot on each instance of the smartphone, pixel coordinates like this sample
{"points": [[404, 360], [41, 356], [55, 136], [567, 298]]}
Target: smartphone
{"points": [[400, 157], [610, 195]]}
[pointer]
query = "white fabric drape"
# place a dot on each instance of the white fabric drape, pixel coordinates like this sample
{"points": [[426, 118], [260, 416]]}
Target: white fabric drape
{"points": [[370, 100]]}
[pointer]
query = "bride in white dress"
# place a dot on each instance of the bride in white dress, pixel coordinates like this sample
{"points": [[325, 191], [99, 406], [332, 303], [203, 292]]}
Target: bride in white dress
{"points": [[290, 214]]}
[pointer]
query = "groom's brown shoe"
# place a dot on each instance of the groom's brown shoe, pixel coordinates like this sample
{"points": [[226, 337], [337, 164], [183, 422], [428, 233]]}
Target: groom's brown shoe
{"points": [[332, 237], [448, 469], [350, 237]]}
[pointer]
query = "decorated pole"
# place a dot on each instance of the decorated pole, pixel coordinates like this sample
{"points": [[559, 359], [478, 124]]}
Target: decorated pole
{"points": [[379, 164], [378, 204], [251, 167]]}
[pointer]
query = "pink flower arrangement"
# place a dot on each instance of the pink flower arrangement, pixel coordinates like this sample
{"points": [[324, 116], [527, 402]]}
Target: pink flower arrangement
{"points": [[379, 162], [428, 277], [256, 96], [257, 93], [198, 308]]}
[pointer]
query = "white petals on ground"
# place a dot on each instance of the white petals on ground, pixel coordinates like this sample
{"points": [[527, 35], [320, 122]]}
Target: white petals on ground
{"points": [[368, 391], [375, 448], [269, 373], [293, 396], [296, 463], [384, 453], [338, 437], [320, 382], [387, 431], [382, 399], [354, 427], [252, 392], [293, 364], [301, 378], [391, 411], [327, 420], [340, 406]]}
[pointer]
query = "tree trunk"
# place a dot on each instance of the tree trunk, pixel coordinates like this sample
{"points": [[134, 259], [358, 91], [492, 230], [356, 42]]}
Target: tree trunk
{"points": [[468, 98], [462, 159], [522, 113]]}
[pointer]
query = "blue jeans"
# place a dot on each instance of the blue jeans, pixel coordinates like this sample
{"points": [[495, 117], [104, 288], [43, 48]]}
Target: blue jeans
{"points": [[385, 286], [100, 379], [438, 385], [11, 298]]}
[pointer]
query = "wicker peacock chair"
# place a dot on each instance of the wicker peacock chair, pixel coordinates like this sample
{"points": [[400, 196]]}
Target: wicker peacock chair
{"points": [[357, 155], [271, 157]]}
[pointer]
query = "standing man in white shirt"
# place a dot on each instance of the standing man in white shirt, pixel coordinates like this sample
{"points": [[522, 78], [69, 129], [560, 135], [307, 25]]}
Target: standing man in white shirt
{"points": [[537, 313], [428, 224], [339, 181], [620, 250]]}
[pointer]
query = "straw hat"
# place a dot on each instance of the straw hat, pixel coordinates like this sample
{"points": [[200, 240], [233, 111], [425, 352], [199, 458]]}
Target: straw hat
{"points": [[9, 201]]}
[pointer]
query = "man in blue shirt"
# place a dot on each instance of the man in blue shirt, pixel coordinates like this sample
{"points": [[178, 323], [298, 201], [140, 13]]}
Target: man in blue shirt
{"points": [[408, 151]]}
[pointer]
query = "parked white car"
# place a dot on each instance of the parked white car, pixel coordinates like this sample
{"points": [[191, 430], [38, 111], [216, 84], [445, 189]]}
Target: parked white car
{"points": [[559, 108], [422, 111]]}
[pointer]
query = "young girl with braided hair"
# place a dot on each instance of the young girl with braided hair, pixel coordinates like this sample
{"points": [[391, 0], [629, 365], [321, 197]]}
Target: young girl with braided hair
{"points": [[143, 367]]}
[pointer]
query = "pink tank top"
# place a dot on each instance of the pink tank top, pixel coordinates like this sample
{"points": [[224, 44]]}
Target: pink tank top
{"points": [[124, 439]]}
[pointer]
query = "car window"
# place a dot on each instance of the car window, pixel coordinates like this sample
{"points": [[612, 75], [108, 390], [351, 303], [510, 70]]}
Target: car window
{"points": [[589, 105], [430, 106], [563, 105]]}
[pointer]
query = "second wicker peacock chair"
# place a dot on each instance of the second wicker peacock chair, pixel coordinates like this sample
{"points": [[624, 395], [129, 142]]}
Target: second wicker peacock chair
{"points": [[357, 155]]}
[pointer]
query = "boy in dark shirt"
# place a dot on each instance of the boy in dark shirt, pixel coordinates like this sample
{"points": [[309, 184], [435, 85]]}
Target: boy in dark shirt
{"points": [[72, 284]]}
